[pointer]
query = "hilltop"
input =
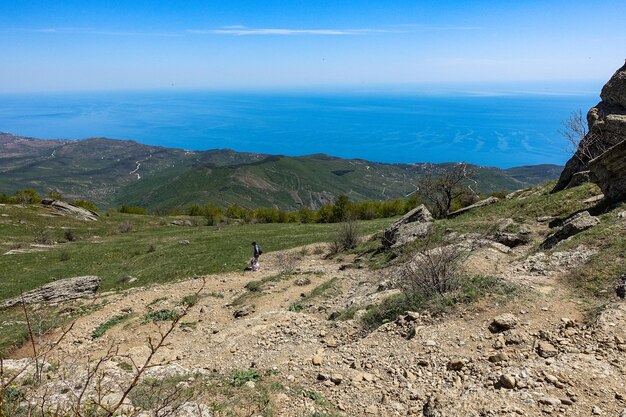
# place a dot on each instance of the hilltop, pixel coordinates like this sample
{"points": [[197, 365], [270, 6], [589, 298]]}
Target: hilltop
{"points": [[114, 172]]}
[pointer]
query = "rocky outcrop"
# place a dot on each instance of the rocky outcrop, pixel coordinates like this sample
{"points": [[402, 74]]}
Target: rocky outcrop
{"points": [[607, 128], [58, 291], [415, 224], [482, 203], [63, 209], [609, 172], [576, 224]]}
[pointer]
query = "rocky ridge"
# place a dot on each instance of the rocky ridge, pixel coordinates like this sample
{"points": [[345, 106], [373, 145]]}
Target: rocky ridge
{"points": [[607, 129]]}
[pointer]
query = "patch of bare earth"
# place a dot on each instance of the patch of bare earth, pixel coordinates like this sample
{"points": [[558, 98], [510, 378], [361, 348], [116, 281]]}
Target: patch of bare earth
{"points": [[547, 362]]}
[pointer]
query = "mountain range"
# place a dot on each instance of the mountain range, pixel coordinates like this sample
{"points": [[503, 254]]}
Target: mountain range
{"points": [[112, 172]]}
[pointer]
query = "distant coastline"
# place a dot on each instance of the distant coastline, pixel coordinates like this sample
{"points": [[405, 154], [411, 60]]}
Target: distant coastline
{"points": [[495, 129]]}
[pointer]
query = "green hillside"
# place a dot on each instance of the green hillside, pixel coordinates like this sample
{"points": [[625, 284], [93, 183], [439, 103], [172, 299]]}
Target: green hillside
{"points": [[114, 172]]}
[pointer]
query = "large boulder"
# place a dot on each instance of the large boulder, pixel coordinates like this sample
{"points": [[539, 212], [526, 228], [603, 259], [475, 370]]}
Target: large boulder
{"points": [[62, 208], [609, 172], [572, 226], [486, 202], [58, 291], [417, 223], [607, 128]]}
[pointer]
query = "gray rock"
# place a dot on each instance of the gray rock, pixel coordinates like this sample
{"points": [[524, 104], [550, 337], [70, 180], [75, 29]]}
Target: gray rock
{"points": [[503, 322], [609, 171], [182, 222], [58, 291], [572, 226], [482, 203], [62, 208], [554, 402], [546, 349], [183, 242], [243, 311], [620, 288], [416, 224], [607, 128], [511, 239], [507, 381]]}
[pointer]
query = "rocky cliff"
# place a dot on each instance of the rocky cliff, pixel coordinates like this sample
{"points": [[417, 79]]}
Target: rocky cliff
{"points": [[607, 128]]}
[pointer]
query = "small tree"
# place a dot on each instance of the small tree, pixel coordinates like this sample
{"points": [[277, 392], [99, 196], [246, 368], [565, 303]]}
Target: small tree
{"points": [[585, 145], [439, 191]]}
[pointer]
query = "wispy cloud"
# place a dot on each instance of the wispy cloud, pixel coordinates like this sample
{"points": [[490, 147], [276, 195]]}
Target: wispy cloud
{"points": [[246, 31], [89, 31]]}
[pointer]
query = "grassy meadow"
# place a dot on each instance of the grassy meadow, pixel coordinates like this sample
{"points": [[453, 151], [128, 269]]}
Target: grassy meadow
{"points": [[149, 253]]}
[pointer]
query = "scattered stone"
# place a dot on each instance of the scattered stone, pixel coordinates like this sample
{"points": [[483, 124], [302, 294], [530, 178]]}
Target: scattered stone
{"points": [[416, 224], [498, 357], [371, 409], [244, 310], [572, 226], [621, 215], [316, 360], [302, 281], [58, 291], [183, 242], [596, 411], [182, 222], [503, 322], [511, 240], [507, 381], [456, 364], [546, 349], [486, 202], [554, 402], [336, 378]]}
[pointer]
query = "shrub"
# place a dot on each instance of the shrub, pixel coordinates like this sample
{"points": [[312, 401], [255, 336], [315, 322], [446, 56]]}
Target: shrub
{"points": [[64, 256], [43, 237], [133, 210], [103, 327], [254, 286], [88, 205], [125, 227], [347, 237], [27, 196], [151, 248], [69, 235], [160, 315]]}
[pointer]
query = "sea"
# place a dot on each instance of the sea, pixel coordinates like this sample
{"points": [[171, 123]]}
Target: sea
{"points": [[501, 129]]}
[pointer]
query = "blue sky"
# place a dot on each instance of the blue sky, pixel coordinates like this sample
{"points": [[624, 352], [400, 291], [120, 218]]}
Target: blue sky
{"points": [[110, 45]]}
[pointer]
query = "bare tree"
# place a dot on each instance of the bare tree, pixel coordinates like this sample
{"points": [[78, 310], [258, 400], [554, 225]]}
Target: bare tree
{"points": [[440, 189], [584, 144]]}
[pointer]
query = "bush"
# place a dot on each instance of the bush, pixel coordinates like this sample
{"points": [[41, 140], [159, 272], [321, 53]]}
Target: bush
{"points": [[27, 196], [133, 210], [160, 315], [88, 205], [347, 237], [69, 235], [43, 237], [125, 227]]}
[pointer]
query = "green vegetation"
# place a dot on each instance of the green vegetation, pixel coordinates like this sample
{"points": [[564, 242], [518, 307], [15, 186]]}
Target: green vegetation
{"points": [[103, 327], [160, 315], [172, 179], [103, 251], [241, 376], [471, 289], [326, 289]]}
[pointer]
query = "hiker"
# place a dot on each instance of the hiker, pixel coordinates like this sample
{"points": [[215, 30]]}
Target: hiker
{"points": [[256, 252]]}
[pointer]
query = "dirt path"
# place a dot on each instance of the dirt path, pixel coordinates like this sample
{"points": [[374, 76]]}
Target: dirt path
{"points": [[452, 363]]}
